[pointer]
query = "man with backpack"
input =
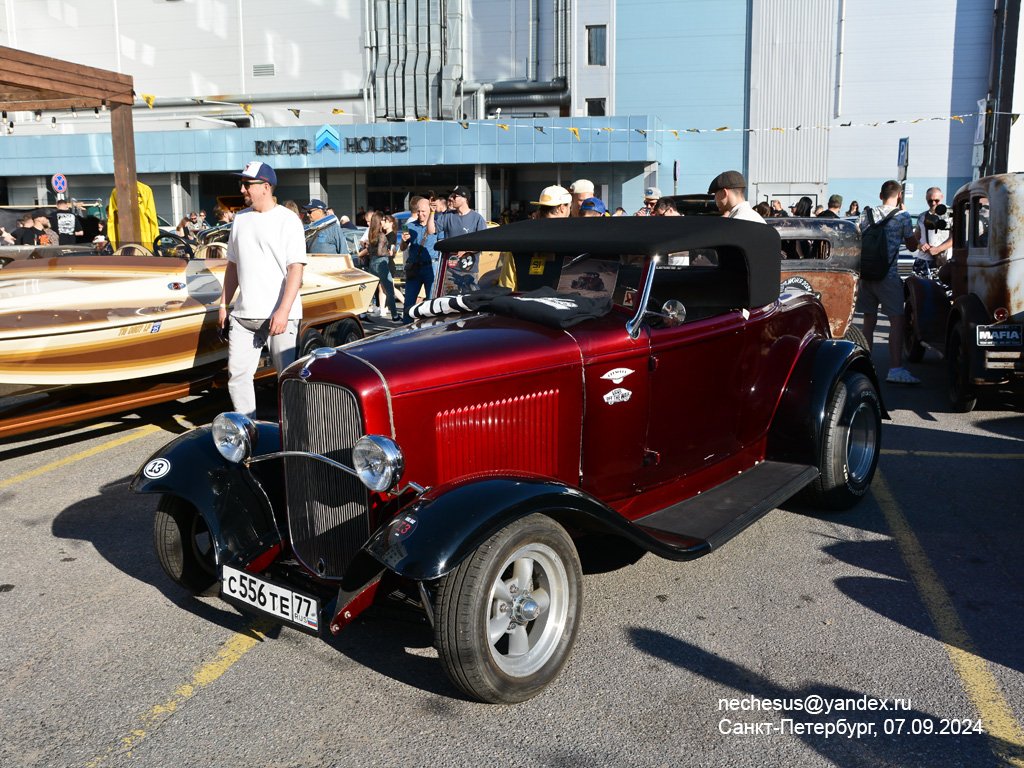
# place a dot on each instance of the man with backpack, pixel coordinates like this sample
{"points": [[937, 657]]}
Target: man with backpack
{"points": [[882, 229]]}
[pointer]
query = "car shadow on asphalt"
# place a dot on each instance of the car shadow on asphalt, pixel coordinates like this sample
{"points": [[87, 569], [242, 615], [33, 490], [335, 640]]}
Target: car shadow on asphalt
{"points": [[394, 639], [119, 525], [906, 749]]}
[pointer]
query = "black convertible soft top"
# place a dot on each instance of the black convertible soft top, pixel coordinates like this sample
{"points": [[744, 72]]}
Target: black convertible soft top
{"points": [[749, 253]]}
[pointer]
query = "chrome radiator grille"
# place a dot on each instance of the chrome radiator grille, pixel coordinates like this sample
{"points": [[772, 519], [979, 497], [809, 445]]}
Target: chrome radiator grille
{"points": [[327, 508]]}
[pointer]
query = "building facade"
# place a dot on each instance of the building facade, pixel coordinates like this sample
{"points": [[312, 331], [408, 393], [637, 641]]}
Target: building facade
{"points": [[365, 102]]}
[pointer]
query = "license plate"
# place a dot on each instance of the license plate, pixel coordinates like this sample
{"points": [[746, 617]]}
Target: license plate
{"points": [[294, 608], [1000, 336]]}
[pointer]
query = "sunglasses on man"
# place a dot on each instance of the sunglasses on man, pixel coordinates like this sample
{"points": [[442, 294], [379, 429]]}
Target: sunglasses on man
{"points": [[247, 184]]}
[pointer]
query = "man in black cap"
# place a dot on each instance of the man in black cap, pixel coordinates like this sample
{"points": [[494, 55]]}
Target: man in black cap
{"points": [[460, 220], [730, 191], [329, 239]]}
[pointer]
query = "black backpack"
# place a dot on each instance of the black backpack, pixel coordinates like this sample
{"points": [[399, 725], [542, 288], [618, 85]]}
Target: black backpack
{"points": [[874, 248]]}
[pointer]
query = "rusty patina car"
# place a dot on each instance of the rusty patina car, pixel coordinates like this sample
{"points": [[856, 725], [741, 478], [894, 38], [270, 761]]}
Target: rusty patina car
{"points": [[822, 256], [975, 320], [819, 256], [459, 458]]}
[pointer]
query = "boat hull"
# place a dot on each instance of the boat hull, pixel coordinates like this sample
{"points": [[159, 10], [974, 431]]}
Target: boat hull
{"points": [[102, 319]]}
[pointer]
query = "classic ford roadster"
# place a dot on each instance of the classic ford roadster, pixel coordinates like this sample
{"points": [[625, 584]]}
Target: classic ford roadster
{"points": [[460, 458]]}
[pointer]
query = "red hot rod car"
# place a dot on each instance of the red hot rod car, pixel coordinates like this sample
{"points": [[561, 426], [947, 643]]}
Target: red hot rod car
{"points": [[459, 458]]}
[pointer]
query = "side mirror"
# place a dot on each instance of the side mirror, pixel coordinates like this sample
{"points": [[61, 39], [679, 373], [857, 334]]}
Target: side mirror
{"points": [[674, 312]]}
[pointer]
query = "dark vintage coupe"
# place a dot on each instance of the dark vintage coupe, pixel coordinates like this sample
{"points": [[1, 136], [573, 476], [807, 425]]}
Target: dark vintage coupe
{"points": [[462, 458]]}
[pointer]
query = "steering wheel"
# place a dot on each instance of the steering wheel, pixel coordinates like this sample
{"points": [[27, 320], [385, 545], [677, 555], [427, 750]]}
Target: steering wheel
{"points": [[173, 245]]}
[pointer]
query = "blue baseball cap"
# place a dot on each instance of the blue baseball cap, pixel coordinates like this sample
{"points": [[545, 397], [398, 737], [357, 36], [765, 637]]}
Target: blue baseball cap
{"points": [[593, 204], [257, 171], [315, 204]]}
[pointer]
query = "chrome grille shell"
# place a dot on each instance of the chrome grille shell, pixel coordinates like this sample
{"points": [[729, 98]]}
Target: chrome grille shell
{"points": [[328, 519]]}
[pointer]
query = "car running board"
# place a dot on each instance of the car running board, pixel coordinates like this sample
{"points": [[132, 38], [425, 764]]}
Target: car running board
{"points": [[706, 521]]}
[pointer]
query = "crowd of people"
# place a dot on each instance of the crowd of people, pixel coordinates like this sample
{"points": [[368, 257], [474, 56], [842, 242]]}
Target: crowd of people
{"points": [[436, 217]]}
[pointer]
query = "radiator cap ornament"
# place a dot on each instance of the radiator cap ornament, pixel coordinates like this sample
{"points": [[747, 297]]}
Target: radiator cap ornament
{"points": [[320, 353]]}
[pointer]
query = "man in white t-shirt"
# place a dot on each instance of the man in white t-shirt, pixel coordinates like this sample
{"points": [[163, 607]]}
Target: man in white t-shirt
{"points": [[730, 191], [266, 255]]}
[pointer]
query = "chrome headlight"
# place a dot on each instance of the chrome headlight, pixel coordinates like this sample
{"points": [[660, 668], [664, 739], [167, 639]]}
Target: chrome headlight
{"points": [[234, 435], [378, 462]]}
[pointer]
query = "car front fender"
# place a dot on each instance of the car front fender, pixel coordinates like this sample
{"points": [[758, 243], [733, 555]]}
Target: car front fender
{"points": [[797, 426], [230, 497], [435, 533]]}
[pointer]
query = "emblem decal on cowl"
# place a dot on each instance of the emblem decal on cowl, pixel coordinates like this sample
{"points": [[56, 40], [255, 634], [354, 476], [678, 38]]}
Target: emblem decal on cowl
{"points": [[617, 374], [618, 395]]}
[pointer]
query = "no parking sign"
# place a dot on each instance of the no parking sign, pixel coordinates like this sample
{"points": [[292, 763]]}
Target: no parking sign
{"points": [[59, 185]]}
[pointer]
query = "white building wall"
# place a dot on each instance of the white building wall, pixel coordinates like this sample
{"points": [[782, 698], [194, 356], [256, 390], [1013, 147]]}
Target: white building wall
{"points": [[915, 63], [792, 45], [592, 82]]}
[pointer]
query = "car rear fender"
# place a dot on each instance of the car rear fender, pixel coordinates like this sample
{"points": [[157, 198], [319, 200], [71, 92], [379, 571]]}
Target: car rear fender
{"points": [[972, 311], [230, 497], [431, 536], [929, 308], [797, 426]]}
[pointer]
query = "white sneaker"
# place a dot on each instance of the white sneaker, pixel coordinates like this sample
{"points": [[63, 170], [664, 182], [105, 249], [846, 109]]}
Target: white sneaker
{"points": [[901, 376]]}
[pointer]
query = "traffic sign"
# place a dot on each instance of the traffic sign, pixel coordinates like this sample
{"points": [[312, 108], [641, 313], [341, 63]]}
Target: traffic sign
{"points": [[59, 185], [904, 158]]}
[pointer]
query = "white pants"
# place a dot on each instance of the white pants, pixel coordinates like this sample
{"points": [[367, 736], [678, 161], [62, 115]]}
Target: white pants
{"points": [[245, 346]]}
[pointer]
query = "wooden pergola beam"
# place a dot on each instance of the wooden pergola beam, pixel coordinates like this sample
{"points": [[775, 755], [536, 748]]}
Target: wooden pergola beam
{"points": [[30, 82]]}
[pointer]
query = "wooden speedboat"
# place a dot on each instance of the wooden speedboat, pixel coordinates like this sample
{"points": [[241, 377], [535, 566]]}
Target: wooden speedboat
{"points": [[92, 319]]}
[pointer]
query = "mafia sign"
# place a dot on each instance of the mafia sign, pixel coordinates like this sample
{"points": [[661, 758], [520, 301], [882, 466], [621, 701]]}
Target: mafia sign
{"points": [[378, 144]]}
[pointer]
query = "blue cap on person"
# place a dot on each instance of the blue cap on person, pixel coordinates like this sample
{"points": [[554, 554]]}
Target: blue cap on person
{"points": [[257, 171], [315, 204], [593, 204]]}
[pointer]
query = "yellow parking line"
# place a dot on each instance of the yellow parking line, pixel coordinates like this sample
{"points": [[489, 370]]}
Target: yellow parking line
{"points": [[1006, 738], [114, 443], [231, 652], [953, 455], [133, 435]]}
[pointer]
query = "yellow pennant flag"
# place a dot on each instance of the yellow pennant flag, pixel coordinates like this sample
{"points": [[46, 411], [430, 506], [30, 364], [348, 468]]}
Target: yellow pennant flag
{"points": [[779, 129], [576, 133], [294, 111], [337, 111], [641, 131], [423, 119], [723, 128], [674, 133], [540, 128], [957, 118], [149, 99], [1013, 119], [500, 125], [465, 125], [606, 128], [247, 108]]}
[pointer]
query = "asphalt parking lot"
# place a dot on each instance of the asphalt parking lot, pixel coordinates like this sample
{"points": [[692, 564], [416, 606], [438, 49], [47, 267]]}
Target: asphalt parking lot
{"points": [[892, 634]]}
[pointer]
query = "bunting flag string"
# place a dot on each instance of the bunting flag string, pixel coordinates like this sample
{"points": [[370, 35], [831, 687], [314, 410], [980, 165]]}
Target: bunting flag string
{"points": [[153, 101]]}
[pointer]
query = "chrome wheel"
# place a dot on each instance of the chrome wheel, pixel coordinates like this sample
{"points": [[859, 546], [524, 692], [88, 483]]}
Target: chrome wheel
{"points": [[861, 442], [528, 607]]}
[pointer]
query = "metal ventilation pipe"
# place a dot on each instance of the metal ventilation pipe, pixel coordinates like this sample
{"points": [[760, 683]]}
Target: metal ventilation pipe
{"points": [[452, 73], [392, 37], [434, 61], [533, 58], [380, 71], [418, 93], [403, 69]]}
